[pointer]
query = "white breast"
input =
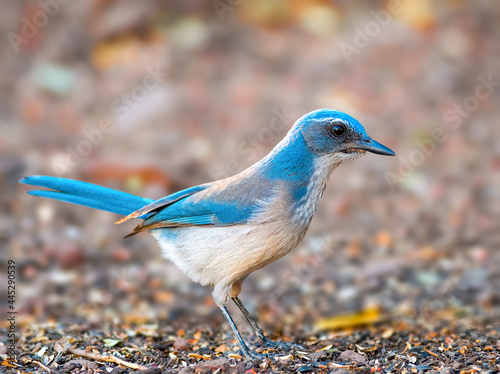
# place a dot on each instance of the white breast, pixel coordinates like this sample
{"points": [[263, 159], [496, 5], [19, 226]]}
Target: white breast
{"points": [[224, 256], [204, 253]]}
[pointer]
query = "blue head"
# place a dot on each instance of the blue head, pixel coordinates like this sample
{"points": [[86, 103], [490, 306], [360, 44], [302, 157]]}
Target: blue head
{"points": [[331, 132]]}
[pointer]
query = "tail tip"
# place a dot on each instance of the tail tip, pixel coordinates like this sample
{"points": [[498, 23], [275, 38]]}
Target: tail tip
{"points": [[31, 179]]}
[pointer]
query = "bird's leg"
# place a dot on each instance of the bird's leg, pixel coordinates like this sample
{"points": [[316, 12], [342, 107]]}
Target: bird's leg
{"points": [[249, 354], [258, 331], [263, 339]]}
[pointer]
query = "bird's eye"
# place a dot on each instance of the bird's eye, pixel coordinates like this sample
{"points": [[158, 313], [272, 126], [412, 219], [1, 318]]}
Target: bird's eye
{"points": [[338, 130]]}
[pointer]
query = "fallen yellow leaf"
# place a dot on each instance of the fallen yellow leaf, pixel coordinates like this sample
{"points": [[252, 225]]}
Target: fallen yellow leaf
{"points": [[365, 317]]}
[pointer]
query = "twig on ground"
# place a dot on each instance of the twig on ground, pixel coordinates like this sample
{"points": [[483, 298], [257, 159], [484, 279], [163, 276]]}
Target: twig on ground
{"points": [[42, 366], [63, 346], [110, 358]]}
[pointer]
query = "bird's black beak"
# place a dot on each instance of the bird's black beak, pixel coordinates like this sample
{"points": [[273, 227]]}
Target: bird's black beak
{"points": [[372, 146]]}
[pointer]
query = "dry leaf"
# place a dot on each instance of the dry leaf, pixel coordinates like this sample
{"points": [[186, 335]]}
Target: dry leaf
{"points": [[366, 317]]}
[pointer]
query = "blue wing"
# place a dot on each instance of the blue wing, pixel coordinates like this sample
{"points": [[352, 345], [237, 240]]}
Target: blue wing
{"points": [[145, 211], [224, 203]]}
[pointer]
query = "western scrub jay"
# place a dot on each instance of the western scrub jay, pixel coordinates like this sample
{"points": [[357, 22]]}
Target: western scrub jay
{"points": [[219, 232]]}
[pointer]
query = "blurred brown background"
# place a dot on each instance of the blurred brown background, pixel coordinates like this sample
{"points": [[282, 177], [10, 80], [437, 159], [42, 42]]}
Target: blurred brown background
{"points": [[154, 96]]}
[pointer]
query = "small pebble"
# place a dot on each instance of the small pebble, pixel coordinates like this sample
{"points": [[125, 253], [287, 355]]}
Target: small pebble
{"points": [[318, 355], [213, 365], [351, 356], [181, 344]]}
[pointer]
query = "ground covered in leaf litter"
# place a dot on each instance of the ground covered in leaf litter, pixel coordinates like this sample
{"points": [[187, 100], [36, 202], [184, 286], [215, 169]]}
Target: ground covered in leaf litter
{"points": [[403, 346]]}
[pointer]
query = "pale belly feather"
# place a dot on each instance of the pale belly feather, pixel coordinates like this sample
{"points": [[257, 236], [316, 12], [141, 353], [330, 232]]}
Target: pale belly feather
{"points": [[224, 256]]}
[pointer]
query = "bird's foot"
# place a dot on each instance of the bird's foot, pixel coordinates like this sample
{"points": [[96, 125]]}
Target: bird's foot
{"points": [[282, 346], [271, 345], [253, 355]]}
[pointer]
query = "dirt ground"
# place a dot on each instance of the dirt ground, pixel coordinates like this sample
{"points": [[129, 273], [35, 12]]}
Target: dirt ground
{"points": [[402, 346]]}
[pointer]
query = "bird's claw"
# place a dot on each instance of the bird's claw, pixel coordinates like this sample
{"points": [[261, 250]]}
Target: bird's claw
{"points": [[272, 345], [252, 355], [268, 343]]}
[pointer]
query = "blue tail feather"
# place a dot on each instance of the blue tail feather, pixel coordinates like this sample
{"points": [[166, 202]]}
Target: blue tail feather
{"points": [[86, 194]]}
